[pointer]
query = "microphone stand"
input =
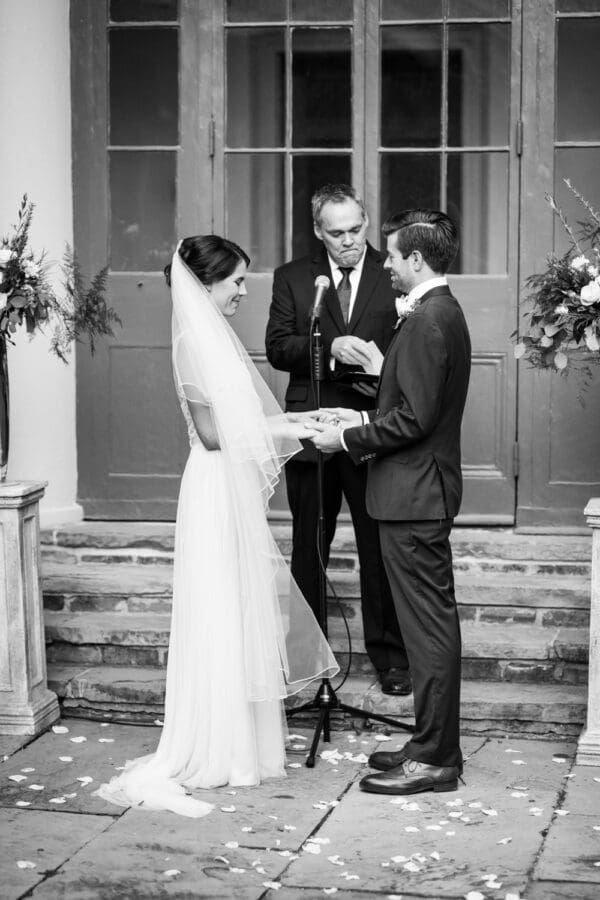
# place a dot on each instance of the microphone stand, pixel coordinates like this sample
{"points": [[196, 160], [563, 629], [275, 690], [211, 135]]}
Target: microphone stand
{"points": [[326, 699]]}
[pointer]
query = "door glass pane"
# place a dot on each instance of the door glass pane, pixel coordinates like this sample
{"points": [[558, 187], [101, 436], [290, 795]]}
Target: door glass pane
{"points": [[411, 86], [309, 174], [578, 6], [581, 166], [577, 97], [255, 71], [479, 9], [478, 84], [322, 10], [143, 86], [411, 9], [255, 206], [142, 200], [322, 87], [143, 10], [256, 10], [409, 181], [478, 203]]}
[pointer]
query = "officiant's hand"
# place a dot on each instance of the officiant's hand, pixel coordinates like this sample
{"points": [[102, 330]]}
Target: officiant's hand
{"points": [[351, 350]]}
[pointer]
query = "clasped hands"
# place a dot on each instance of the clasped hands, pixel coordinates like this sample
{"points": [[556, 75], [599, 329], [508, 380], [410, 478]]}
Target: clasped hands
{"points": [[324, 426]]}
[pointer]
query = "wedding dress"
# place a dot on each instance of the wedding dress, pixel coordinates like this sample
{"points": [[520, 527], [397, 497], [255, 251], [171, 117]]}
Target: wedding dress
{"points": [[242, 635]]}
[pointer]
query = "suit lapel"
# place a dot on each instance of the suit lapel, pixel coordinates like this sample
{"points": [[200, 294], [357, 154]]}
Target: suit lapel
{"points": [[371, 274], [320, 266]]}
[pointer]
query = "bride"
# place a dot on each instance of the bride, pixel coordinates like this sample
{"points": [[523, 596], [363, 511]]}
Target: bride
{"points": [[242, 635]]}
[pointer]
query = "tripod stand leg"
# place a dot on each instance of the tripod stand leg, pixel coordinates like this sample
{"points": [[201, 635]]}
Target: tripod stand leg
{"points": [[322, 724], [365, 714]]}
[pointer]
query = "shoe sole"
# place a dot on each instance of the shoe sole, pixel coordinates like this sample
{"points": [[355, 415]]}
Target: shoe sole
{"points": [[438, 788]]}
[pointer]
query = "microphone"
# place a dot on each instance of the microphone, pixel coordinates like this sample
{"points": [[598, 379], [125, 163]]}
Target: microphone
{"points": [[322, 284]]}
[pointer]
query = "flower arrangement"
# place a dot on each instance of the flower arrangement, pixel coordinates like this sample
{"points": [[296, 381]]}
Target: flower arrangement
{"points": [[26, 297], [565, 301]]}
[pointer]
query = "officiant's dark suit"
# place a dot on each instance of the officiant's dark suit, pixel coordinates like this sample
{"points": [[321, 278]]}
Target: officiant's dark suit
{"points": [[414, 487], [287, 345]]}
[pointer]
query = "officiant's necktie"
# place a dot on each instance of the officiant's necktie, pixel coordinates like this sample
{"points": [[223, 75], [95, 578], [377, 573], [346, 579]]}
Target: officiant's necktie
{"points": [[344, 291]]}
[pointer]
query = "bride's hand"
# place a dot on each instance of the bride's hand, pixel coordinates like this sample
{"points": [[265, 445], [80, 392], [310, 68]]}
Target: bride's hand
{"points": [[301, 430]]}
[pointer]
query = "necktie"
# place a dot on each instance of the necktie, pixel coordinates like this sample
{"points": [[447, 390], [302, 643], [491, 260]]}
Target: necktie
{"points": [[344, 291]]}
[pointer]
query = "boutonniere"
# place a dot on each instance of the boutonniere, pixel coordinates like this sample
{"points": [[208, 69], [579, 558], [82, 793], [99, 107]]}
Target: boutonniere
{"points": [[404, 307]]}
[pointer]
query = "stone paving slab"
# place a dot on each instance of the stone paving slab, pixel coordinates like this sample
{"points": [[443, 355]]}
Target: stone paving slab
{"points": [[463, 838], [46, 839], [104, 748]]}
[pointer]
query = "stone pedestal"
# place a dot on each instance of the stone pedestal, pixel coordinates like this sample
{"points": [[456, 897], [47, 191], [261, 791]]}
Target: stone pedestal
{"points": [[26, 704], [588, 748]]}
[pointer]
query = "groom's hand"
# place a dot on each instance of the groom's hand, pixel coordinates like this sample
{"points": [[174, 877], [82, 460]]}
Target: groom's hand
{"points": [[338, 415], [327, 437]]}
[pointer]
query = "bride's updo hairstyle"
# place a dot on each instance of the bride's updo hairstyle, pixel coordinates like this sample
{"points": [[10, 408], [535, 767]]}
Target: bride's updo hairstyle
{"points": [[211, 258]]}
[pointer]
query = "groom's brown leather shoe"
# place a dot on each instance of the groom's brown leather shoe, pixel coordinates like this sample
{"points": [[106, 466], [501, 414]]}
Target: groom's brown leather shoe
{"points": [[387, 759], [412, 777], [384, 760]]}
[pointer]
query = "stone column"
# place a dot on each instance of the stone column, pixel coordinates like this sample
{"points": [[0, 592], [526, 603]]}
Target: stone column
{"points": [[26, 704], [588, 748]]}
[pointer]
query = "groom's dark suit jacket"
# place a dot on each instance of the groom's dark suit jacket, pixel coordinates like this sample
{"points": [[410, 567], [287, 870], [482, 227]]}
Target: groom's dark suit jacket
{"points": [[288, 330], [413, 442]]}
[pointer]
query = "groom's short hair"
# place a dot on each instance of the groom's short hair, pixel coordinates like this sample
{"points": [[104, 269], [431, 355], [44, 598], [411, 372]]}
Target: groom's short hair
{"points": [[429, 231], [334, 193]]}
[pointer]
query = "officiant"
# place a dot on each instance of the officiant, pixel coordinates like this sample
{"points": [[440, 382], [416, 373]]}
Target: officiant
{"points": [[357, 324]]}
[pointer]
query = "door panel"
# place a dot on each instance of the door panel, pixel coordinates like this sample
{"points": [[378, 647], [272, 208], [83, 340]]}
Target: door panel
{"points": [[558, 435], [143, 179]]}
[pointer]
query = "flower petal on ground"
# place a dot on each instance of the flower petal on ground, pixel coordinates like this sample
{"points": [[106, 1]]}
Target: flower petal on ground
{"points": [[23, 803], [84, 779], [60, 729], [66, 758], [18, 778], [28, 770], [35, 787], [78, 740], [171, 873], [228, 809], [26, 864]]}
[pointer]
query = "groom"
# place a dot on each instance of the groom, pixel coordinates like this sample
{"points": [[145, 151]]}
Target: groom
{"points": [[411, 442]]}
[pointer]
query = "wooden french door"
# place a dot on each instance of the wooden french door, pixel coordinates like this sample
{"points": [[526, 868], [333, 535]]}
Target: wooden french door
{"points": [[559, 436], [141, 88], [418, 104], [195, 116]]}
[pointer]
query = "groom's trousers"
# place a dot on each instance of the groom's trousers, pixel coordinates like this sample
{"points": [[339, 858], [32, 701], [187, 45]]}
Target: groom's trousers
{"points": [[383, 639], [418, 561]]}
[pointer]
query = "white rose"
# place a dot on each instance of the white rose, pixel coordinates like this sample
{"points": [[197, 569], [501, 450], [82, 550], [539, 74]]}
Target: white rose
{"points": [[561, 360], [5, 255], [591, 339], [592, 271], [590, 293], [561, 310], [579, 263], [520, 350], [546, 341]]}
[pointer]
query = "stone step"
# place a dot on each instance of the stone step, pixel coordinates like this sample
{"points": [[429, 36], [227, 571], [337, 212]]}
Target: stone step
{"points": [[338, 562], [480, 543], [137, 695], [142, 640], [131, 588]]}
